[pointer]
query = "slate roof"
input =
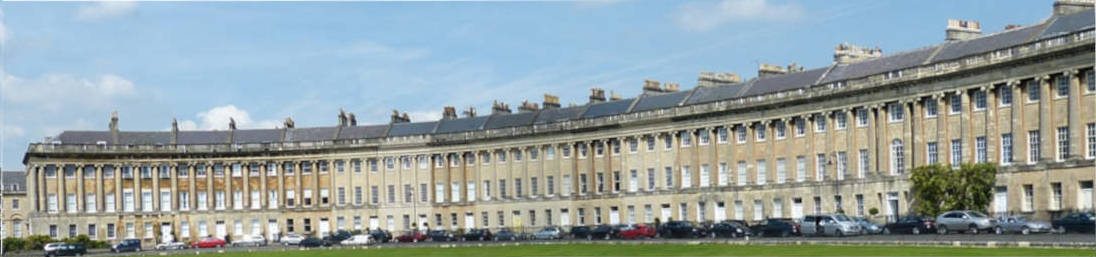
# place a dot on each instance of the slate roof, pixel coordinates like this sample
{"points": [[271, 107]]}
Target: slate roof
{"points": [[17, 179], [651, 102], [559, 114], [897, 61], [958, 49], [1069, 23], [507, 120], [785, 82], [608, 108], [84, 137], [361, 132], [251, 136], [412, 128], [717, 93], [144, 138], [310, 134], [461, 124], [202, 137]]}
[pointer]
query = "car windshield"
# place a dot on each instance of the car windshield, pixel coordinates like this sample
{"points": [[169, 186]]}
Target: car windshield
{"points": [[977, 214], [841, 217]]}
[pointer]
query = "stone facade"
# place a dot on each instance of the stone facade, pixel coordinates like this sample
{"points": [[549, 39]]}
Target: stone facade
{"points": [[838, 138]]}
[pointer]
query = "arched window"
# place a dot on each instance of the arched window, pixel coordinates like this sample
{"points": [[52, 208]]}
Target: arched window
{"points": [[898, 157]]}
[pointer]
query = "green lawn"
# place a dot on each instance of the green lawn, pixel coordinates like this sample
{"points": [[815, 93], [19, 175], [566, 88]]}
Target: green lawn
{"points": [[676, 250]]}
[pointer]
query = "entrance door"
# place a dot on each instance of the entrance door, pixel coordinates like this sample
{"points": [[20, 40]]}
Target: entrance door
{"points": [[272, 230], [1000, 200], [422, 223], [165, 232], [325, 227], [614, 216], [797, 208], [565, 218], [892, 206], [469, 221], [374, 224], [720, 211], [665, 212], [221, 229], [1085, 196]]}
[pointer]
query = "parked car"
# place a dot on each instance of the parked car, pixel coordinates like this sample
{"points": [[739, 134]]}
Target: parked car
{"points": [[776, 227], [292, 239], [441, 235], [829, 225], [249, 240], [337, 237], [171, 246], [867, 226], [363, 239], [127, 245], [51, 246], [67, 249], [549, 232], [507, 234], [605, 232], [972, 222], [580, 232], [910, 224], [728, 229], [679, 229], [1083, 222], [1020, 224], [314, 242], [208, 242], [380, 236], [637, 231], [477, 234], [411, 237]]}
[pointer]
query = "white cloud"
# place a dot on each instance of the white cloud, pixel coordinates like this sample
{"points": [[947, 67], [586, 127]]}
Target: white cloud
{"points": [[704, 16], [105, 10], [218, 117], [65, 90]]}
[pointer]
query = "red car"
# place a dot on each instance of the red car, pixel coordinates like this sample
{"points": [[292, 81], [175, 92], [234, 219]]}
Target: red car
{"points": [[413, 237], [209, 242], [637, 231]]}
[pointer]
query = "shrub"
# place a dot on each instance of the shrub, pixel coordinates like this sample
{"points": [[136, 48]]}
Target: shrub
{"points": [[14, 244]]}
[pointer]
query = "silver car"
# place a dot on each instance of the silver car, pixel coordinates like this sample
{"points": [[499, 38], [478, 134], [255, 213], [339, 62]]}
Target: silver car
{"points": [[1022, 225], [829, 225], [970, 221], [552, 232]]}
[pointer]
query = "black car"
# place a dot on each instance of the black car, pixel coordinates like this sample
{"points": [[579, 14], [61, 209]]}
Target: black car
{"points": [[127, 245], [580, 232], [728, 229], [910, 225], [604, 232], [439, 235], [680, 229], [477, 235], [507, 234], [1082, 222], [314, 242], [380, 236], [776, 227], [337, 237], [67, 249]]}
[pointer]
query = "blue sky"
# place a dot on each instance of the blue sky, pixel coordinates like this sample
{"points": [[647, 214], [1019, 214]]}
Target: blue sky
{"points": [[66, 66]]}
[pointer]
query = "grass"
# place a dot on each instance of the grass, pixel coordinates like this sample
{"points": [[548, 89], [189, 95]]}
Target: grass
{"points": [[675, 250]]}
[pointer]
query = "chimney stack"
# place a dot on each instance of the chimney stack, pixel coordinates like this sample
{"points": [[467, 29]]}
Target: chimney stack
{"points": [[1063, 7], [470, 112], [711, 79], [551, 101], [527, 106], [231, 123], [614, 96], [794, 67], [114, 126], [289, 123], [768, 70], [963, 30], [846, 53], [397, 118], [449, 113], [353, 119], [342, 118], [174, 131], [499, 108], [651, 86], [597, 95], [670, 87]]}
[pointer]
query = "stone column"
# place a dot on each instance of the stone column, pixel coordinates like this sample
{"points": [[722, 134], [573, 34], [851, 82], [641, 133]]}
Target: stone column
{"points": [[62, 189], [1076, 128], [100, 197], [965, 126], [81, 207], [993, 137], [1046, 119], [908, 128], [118, 200], [1019, 135]]}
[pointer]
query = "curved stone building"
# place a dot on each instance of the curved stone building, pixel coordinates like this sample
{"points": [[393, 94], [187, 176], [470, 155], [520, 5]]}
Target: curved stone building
{"points": [[789, 142]]}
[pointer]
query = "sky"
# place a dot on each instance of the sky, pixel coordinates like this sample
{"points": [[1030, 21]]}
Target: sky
{"points": [[66, 66]]}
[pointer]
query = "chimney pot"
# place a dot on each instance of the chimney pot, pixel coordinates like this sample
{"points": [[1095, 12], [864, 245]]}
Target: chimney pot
{"points": [[551, 101], [651, 86], [231, 123], [470, 112], [767, 70], [711, 79], [846, 53], [527, 106], [289, 123], [962, 30], [597, 95], [499, 107], [397, 118], [1063, 7], [449, 113]]}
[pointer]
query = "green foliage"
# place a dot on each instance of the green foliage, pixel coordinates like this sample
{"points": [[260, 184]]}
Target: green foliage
{"points": [[14, 244], [873, 211], [87, 242], [36, 242], [937, 188]]}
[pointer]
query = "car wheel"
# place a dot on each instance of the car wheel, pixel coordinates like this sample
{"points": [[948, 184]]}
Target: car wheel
{"points": [[481, 238], [998, 230], [784, 234], [838, 233], [1025, 231], [606, 236], [943, 230], [916, 231], [1060, 230], [886, 231], [414, 240], [589, 237], [973, 229]]}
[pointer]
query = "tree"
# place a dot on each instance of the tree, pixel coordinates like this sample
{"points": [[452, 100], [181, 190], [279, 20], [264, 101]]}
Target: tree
{"points": [[937, 188]]}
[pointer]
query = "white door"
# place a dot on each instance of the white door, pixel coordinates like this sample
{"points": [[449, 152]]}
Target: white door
{"points": [[422, 223], [720, 211], [614, 216], [325, 227], [1000, 200], [165, 233], [665, 213], [221, 229], [1085, 196], [256, 227], [469, 221], [565, 218], [272, 230], [892, 206], [797, 208], [374, 224]]}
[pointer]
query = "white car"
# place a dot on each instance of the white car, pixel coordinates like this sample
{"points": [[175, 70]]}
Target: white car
{"points": [[171, 246], [292, 239], [363, 239], [252, 240], [51, 246]]}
